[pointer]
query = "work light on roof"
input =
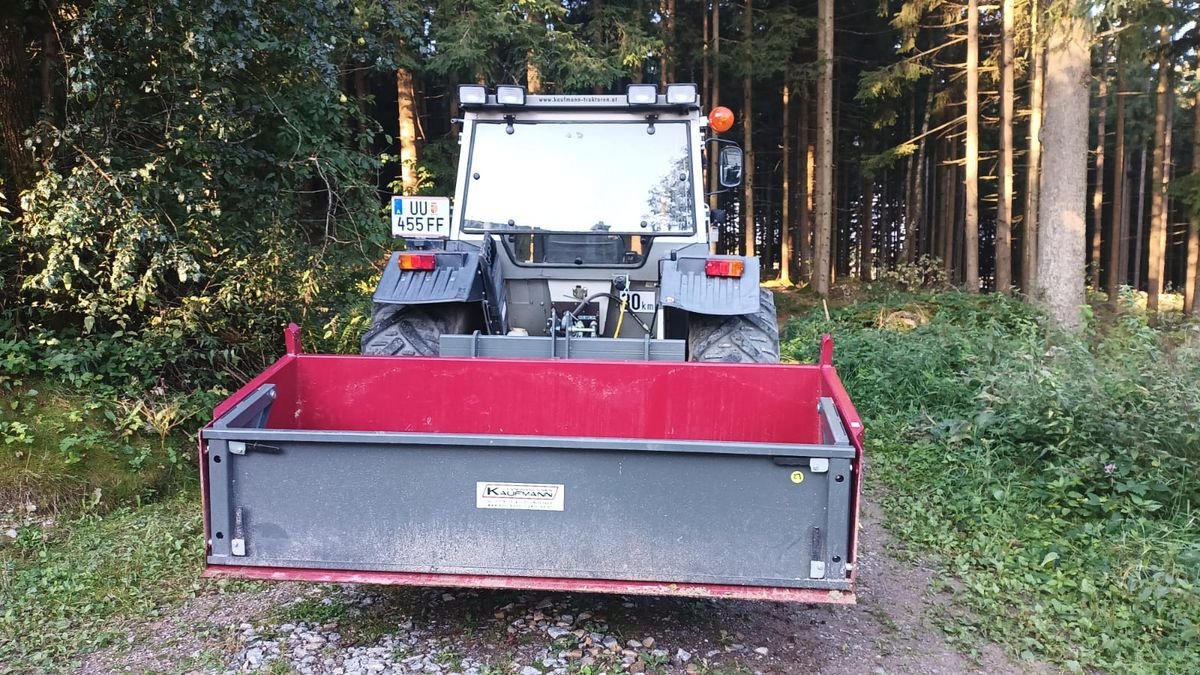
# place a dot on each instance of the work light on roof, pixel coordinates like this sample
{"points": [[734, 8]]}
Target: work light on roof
{"points": [[510, 94], [641, 94], [681, 94], [472, 94]]}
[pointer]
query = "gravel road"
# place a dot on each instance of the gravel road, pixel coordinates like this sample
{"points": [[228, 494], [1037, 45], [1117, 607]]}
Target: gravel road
{"points": [[284, 628]]}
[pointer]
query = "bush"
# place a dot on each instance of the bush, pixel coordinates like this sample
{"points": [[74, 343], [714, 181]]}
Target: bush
{"points": [[1053, 476]]}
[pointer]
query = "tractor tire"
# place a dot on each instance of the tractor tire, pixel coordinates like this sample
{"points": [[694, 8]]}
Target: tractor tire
{"points": [[744, 338], [412, 330]]}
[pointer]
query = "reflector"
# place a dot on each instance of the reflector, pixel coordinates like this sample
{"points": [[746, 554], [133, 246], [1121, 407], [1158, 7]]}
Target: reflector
{"points": [[716, 267], [417, 261]]}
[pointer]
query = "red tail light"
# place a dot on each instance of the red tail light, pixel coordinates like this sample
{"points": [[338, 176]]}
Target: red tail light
{"points": [[418, 261], [724, 268]]}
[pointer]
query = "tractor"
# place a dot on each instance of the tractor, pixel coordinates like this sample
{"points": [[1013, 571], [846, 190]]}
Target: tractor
{"points": [[575, 217]]}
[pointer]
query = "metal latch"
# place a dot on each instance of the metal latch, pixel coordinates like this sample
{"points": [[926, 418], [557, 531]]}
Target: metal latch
{"points": [[818, 464], [237, 545]]}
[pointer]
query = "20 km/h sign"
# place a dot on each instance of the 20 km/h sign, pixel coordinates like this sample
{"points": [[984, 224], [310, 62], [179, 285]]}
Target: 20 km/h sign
{"points": [[421, 217]]}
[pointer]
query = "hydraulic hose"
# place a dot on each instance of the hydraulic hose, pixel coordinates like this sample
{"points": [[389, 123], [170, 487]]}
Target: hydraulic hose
{"points": [[583, 303]]}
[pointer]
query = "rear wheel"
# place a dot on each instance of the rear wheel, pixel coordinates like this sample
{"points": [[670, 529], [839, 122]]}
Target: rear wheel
{"points": [[744, 338], [413, 330]]}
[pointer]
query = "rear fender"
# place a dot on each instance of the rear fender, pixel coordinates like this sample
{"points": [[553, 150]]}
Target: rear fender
{"points": [[685, 286], [457, 277]]}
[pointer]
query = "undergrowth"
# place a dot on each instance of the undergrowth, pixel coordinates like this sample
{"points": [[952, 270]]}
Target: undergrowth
{"points": [[71, 593], [1051, 478]]}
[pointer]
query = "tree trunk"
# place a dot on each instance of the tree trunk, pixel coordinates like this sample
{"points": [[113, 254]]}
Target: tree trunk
{"points": [[533, 72], [670, 65], [407, 109], [1192, 284], [1116, 234], [1005, 198], [1029, 242], [805, 181], [785, 204], [949, 248], [866, 230], [823, 229], [1063, 204], [16, 101], [915, 209], [705, 61], [714, 100], [1160, 180], [971, 220], [1139, 242], [748, 138], [1098, 185]]}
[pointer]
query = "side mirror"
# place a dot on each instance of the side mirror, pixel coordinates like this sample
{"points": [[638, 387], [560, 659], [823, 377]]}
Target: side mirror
{"points": [[730, 165]]}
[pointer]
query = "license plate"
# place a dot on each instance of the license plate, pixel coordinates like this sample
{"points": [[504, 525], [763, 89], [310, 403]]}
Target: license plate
{"points": [[421, 217]]}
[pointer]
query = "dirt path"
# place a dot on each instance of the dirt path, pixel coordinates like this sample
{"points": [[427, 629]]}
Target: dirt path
{"points": [[284, 628]]}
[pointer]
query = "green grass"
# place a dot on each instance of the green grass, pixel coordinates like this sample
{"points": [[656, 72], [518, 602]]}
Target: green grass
{"points": [[61, 449], [1052, 478], [77, 591]]}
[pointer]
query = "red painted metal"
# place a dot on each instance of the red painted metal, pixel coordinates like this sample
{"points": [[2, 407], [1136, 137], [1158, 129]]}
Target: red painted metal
{"points": [[725, 591], [291, 336], [598, 399]]}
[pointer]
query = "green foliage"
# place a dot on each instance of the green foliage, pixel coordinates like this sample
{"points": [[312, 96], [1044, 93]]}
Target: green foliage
{"points": [[212, 187], [1053, 477]]}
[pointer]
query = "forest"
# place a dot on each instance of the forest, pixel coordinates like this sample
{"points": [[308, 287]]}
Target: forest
{"points": [[994, 208], [948, 135]]}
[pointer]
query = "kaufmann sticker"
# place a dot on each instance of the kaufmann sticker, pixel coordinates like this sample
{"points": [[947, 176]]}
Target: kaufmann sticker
{"points": [[421, 217], [523, 496]]}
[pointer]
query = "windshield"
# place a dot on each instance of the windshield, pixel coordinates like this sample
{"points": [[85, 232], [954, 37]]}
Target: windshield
{"points": [[576, 177]]}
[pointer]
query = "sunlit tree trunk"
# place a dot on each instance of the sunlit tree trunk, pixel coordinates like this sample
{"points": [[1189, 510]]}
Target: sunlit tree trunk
{"points": [[1192, 285], [533, 75], [407, 110], [748, 137], [1116, 228], [823, 228], [785, 205], [866, 230], [1029, 242], [804, 179], [1160, 180], [971, 219], [1098, 183], [1063, 204], [1005, 196]]}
